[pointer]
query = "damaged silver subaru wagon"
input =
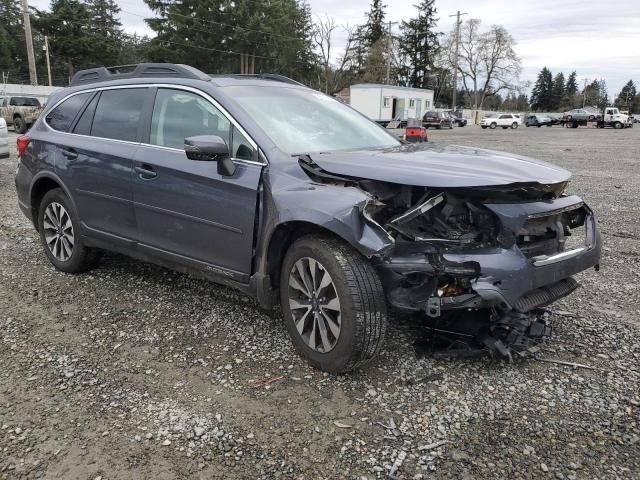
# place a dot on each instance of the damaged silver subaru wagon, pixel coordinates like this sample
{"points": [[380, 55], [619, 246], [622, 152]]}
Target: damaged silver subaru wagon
{"points": [[296, 199]]}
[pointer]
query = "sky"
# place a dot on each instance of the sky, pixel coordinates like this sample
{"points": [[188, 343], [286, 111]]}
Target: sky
{"points": [[597, 38]]}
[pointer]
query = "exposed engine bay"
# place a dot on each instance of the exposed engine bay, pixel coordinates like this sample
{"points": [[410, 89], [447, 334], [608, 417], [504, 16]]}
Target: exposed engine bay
{"points": [[478, 262]]}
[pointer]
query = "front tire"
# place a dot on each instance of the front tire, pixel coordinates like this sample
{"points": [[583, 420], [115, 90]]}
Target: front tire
{"points": [[60, 235], [493, 126], [333, 304], [514, 125]]}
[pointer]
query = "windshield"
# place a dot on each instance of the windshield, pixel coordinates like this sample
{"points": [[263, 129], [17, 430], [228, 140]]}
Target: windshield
{"points": [[305, 121]]}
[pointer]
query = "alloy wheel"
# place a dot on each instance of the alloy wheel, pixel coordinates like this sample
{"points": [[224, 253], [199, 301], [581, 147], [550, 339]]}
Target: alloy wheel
{"points": [[314, 304], [58, 231]]}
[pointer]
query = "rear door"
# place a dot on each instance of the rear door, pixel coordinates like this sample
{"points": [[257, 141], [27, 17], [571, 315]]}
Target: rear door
{"points": [[97, 162], [185, 210]]}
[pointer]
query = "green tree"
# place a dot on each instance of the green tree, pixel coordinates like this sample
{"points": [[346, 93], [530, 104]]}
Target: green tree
{"points": [[558, 99], [68, 25], [419, 46], [374, 28], [628, 98], [13, 50], [133, 49], [571, 91], [218, 36], [106, 32], [542, 92], [370, 40]]}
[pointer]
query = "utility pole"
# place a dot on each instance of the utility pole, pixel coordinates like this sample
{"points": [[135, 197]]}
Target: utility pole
{"points": [[455, 70], [46, 48], [389, 52], [27, 33]]}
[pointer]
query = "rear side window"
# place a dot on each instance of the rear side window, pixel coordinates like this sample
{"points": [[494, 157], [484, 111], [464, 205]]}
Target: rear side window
{"points": [[83, 126], [118, 113], [61, 117]]}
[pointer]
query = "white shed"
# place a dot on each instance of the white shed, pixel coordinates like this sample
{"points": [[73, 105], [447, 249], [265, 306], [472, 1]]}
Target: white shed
{"points": [[383, 103]]}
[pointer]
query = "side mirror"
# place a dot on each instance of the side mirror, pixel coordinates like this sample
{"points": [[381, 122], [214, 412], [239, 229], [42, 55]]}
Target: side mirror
{"points": [[210, 148]]}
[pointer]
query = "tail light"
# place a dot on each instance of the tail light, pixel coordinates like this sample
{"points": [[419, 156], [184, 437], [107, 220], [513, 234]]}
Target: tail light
{"points": [[22, 143]]}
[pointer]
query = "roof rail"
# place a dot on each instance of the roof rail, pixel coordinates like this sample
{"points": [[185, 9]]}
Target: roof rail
{"points": [[141, 70], [261, 76]]}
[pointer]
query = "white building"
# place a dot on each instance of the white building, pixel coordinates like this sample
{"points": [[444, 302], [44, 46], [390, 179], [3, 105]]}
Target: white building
{"points": [[383, 103]]}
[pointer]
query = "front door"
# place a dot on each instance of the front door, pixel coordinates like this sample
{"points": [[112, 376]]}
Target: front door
{"points": [[185, 210]]}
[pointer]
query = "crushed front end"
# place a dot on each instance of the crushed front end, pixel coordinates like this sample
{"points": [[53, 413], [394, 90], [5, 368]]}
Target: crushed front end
{"points": [[501, 252]]}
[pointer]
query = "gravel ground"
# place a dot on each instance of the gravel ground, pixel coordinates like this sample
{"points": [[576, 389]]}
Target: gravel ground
{"points": [[133, 371]]}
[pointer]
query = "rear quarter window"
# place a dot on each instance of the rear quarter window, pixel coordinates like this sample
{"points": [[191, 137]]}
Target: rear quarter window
{"points": [[62, 116]]}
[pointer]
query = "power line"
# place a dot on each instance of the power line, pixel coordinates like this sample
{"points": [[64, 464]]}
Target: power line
{"points": [[235, 27]]}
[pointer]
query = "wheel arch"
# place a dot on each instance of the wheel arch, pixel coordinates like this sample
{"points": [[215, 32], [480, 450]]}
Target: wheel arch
{"points": [[269, 262], [42, 184]]}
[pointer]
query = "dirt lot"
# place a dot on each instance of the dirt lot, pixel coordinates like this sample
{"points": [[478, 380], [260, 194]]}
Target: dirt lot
{"points": [[133, 371]]}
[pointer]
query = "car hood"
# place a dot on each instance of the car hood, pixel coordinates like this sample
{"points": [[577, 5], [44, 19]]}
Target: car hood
{"points": [[440, 166]]}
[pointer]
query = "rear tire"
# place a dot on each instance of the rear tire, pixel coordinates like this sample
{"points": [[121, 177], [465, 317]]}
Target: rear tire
{"points": [[484, 128], [19, 125], [361, 318], [59, 230]]}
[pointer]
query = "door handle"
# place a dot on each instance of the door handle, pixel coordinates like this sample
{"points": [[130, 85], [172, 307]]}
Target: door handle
{"points": [[146, 172], [70, 153]]}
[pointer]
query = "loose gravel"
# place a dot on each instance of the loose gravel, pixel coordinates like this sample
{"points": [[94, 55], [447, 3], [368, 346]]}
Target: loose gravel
{"points": [[134, 371]]}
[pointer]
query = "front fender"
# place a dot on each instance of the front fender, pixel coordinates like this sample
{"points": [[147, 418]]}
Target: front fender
{"points": [[337, 209]]}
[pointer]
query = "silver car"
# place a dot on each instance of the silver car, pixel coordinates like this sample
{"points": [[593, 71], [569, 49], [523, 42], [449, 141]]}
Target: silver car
{"points": [[4, 139], [580, 114]]}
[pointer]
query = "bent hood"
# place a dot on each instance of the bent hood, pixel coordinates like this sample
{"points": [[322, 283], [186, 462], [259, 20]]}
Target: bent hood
{"points": [[440, 166]]}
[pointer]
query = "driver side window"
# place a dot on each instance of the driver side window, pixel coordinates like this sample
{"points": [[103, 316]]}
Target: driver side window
{"points": [[178, 114]]}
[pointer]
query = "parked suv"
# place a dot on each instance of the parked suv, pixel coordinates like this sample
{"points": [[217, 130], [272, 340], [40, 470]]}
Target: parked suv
{"points": [[437, 119], [504, 120], [267, 186], [20, 112]]}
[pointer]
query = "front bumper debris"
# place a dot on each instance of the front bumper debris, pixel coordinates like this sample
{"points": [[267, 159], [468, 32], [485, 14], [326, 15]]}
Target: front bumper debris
{"points": [[513, 281]]}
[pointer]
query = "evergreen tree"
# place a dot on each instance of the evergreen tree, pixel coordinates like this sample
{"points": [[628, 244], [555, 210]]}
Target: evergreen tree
{"points": [[419, 46], [370, 41], [591, 94], [628, 99], [13, 50], [542, 93], [374, 29], [558, 92], [603, 95], [571, 91], [106, 31], [218, 36], [68, 25]]}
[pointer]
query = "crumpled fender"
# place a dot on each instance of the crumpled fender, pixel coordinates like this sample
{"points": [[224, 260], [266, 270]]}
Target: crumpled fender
{"points": [[339, 211]]}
